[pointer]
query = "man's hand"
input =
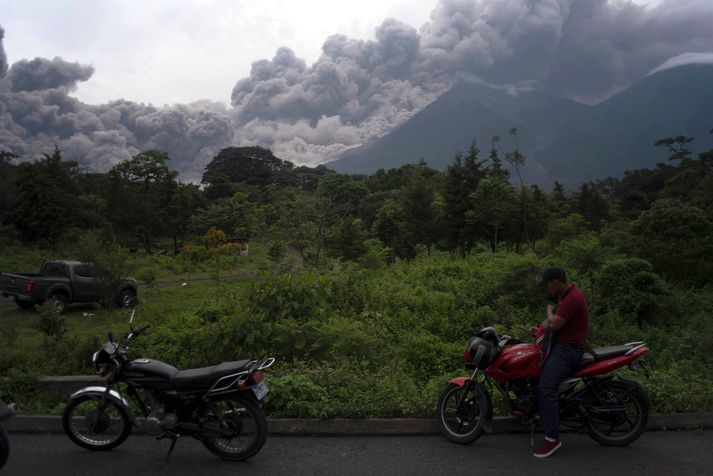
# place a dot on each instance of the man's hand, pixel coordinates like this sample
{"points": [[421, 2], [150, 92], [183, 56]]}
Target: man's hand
{"points": [[555, 321]]}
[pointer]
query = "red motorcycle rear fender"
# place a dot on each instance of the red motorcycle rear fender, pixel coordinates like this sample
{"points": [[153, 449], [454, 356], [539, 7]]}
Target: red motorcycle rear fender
{"points": [[606, 366]]}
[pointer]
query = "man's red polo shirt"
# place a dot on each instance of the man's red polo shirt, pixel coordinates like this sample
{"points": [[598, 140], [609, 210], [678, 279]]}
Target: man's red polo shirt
{"points": [[572, 307]]}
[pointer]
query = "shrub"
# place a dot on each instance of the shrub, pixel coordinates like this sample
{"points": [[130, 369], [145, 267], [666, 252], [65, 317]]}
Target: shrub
{"points": [[630, 287], [50, 322], [146, 276]]}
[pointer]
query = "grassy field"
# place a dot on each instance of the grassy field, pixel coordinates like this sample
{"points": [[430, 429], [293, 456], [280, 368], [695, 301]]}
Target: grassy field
{"points": [[366, 342]]}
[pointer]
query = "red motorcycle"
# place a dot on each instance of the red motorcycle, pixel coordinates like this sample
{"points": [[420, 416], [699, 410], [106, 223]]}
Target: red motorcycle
{"points": [[613, 410]]}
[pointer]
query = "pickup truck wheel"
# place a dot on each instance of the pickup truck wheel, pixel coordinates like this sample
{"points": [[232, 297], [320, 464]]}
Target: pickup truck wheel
{"points": [[126, 297], [59, 301], [25, 305]]}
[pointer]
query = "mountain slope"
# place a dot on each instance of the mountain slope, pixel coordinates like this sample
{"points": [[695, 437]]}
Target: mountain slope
{"points": [[562, 139], [465, 113], [619, 133]]}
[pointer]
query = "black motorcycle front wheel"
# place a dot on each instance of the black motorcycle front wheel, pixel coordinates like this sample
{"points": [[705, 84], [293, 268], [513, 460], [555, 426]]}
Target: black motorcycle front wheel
{"points": [[622, 417], [236, 427], [4, 446], [96, 426], [459, 414]]}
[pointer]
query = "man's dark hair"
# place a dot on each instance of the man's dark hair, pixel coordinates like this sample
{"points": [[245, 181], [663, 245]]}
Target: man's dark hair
{"points": [[553, 273]]}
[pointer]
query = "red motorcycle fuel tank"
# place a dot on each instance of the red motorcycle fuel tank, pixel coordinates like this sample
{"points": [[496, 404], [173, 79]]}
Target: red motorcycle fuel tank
{"points": [[150, 373], [516, 361]]}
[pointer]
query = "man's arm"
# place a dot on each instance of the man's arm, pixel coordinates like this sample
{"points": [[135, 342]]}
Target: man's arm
{"points": [[556, 322]]}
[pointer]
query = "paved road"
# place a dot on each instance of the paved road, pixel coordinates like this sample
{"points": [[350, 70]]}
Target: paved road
{"points": [[678, 453]]}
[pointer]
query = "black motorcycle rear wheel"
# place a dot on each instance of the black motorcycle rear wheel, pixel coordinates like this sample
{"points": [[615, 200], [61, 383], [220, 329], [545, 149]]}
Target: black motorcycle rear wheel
{"points": [[459, 415], [236, 427], [627, 421], [93, 427]]}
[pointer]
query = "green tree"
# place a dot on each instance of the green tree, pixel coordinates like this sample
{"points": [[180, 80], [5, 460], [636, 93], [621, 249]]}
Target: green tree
{"points": [[676, 239], [142, 192], [461, 179], [232, 165], [217, 245], [237, 215], [419, 214], [109, 264], [591, 205], [517, 161], [631, 287], [388, 225], [677, 146], [46, 198], [493, 205]]}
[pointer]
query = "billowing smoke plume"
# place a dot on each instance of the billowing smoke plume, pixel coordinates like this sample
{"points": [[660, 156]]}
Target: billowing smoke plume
{"points": [[359, 90], [3, 57], [40, 74], [37, 112]]}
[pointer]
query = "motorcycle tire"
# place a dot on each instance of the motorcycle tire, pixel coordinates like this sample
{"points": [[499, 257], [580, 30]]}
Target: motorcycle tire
{"points": [[237, 416], [4, 447], [635, 416], [459, 425], [96, 423]]}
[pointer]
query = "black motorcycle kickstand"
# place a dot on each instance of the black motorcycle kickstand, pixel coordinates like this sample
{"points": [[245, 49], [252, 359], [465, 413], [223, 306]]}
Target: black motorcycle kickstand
{"points": [[174, 438]]}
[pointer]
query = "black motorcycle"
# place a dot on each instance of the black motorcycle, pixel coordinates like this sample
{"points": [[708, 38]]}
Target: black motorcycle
{"points": [[218, 405], [6, 412]]}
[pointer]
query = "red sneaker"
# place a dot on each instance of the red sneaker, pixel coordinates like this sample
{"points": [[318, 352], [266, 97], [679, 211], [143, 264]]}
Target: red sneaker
{"points": [[547, 448]]}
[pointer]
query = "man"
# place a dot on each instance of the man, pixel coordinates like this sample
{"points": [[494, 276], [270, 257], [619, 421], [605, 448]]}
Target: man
{"points": [[569, 321]]}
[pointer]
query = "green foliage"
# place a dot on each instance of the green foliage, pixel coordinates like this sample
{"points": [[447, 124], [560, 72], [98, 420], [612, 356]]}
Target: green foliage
{"points": [[397, 270], [109, 264], [46, 200], [564, 228], [583, 253], [141, 197], [276, 251], [296, 396], [51, 322], [676, 239], [146, 276], [631, 287]]}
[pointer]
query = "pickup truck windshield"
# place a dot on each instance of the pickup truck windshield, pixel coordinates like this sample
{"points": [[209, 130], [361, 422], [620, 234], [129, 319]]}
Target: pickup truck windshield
{"points": [[55, 269]]}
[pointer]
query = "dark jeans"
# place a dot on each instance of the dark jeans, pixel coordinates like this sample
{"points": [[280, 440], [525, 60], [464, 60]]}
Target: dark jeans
{"points": [[562, 363]]}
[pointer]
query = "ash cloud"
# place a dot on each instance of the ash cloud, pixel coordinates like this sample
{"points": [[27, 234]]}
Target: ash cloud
{"points": [[3, 56], [359, 90], [37, 112], [40, 74]]}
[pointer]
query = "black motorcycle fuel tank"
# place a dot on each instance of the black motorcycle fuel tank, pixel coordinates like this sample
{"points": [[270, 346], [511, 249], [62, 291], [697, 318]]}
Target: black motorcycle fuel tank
{"points": [[149, 373]]}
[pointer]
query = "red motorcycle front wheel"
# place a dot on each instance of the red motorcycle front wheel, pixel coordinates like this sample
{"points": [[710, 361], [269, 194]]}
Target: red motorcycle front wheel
{"points": [[459, 414]]}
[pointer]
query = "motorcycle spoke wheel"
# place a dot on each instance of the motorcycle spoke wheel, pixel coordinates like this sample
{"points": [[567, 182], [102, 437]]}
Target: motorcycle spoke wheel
{"points": [[459, 415], [236, 428], [94, 427], [622, 417]]}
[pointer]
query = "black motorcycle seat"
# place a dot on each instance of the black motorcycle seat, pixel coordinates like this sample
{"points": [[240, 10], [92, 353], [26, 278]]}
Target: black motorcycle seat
{"points": [[601, 353], [205, 377]]}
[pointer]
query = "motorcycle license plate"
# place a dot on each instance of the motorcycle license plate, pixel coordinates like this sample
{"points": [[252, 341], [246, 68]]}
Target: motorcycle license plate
{"points": [[260, 390]]}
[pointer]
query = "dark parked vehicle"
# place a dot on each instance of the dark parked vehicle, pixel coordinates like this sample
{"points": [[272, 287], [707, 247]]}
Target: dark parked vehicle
{"points": [[62, 282]]}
